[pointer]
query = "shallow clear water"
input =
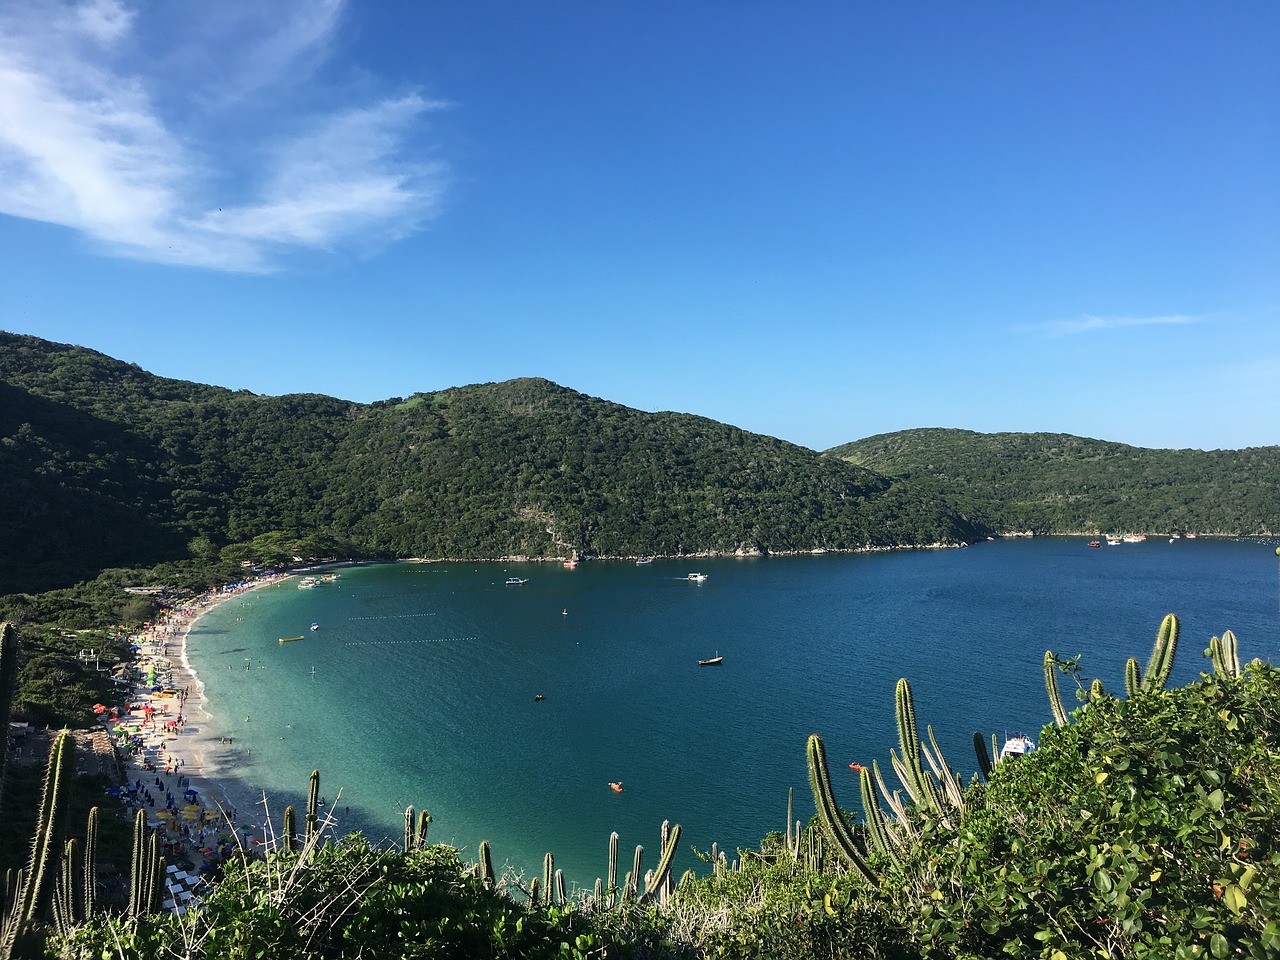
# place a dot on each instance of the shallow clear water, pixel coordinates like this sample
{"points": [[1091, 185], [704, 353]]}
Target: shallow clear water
{"points": [[418, 687]]}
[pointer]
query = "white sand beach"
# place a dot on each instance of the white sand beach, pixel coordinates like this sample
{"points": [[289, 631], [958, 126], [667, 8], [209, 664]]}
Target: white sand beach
{"points": [[175, 765]]}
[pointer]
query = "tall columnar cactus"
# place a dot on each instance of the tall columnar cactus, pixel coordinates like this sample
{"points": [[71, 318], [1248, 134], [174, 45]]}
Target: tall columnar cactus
{"points": [[1132, 677], [632, 886], [1051, 687], [485, 863], [790, 801], [8, 683], [548, 874], [410, 835], [313, 807], [658, 881], [562, 890], [45, 844], [64, 889], [424, 821], [154, 875], [1225, 655], [980, 751], [88, 902], [138, 865], [832, 817], [918, 783], [289, 832], [668, 886], [876, 825], [612, 884], [535, 892], [1162, 653]]}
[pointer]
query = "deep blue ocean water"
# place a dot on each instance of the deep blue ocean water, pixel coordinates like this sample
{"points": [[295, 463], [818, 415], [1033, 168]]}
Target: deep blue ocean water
{"points": [[418, 686]]}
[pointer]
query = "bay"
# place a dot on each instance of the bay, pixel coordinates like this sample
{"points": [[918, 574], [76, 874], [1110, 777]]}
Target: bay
{"points": [[418, 686]]}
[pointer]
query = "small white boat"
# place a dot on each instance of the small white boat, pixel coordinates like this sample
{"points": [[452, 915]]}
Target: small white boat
{"points": [[696, 577], [314, 625], [307, 582], [1016, 746], [515, 581], [643, 560]]}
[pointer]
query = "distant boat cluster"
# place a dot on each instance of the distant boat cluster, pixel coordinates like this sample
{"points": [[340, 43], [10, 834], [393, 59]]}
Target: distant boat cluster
{"points": [[306, 583], [1115, 539]]}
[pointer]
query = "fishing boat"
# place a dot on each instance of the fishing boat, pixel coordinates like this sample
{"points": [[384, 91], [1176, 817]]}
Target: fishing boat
{"points": [[570, 564], [615, 786], [696, 577], [515, 581], [712, 662], [314, 625], [1095, 543], [644, 560], [289, 639], [308, 582]]}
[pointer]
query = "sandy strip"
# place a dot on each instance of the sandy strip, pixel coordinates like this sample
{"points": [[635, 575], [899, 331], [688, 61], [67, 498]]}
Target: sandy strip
{"points": [[188, 755]]}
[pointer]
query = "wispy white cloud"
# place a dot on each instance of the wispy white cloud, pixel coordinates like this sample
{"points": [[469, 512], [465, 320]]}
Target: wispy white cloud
{"points": [[91, 141], [1091, 324]]}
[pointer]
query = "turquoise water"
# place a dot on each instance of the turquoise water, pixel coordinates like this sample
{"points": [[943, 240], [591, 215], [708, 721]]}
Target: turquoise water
{"points": [[418, 687]]}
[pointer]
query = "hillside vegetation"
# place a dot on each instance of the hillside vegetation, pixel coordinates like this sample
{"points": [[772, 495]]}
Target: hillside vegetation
{"points": [[1052, 483], [108, 465]]}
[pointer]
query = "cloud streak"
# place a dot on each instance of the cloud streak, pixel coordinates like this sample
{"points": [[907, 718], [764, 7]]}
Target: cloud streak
{"points": [[1092, 324], [92, 141]]}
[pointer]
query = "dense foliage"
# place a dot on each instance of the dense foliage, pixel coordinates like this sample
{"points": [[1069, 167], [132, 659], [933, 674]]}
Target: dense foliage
{"points": [[108, 465], [1051, 483]]}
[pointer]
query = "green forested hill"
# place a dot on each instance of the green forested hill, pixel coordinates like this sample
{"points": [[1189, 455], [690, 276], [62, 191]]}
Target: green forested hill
{"points": [[108, 465], [1055, 483]]}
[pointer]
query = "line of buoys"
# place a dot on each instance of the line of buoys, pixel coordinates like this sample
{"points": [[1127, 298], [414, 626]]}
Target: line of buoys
{"points": [[394, 616], [389, 643]]}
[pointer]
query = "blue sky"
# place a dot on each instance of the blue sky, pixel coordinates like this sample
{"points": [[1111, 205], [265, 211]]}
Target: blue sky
{"points": [[819, 221]]}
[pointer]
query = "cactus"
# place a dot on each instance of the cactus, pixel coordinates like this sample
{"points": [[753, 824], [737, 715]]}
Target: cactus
{"points": [[665, 834], [410, 836], [980, 751], [137, 865], [1225, 655], [64, 890], [485, 863], [535, 892], [1096, 690], [1162, 653], [632, 886], [313, 807], [1051, 686], [88, 903], [562, 890], [1132, 677], [8, 681], [918, 783], [790, 800], [152, 875], [36, 878], [658, 882], [876, 826], [829, 812], [424, 821], [613, 869], [288, 838], [548, 875]]}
